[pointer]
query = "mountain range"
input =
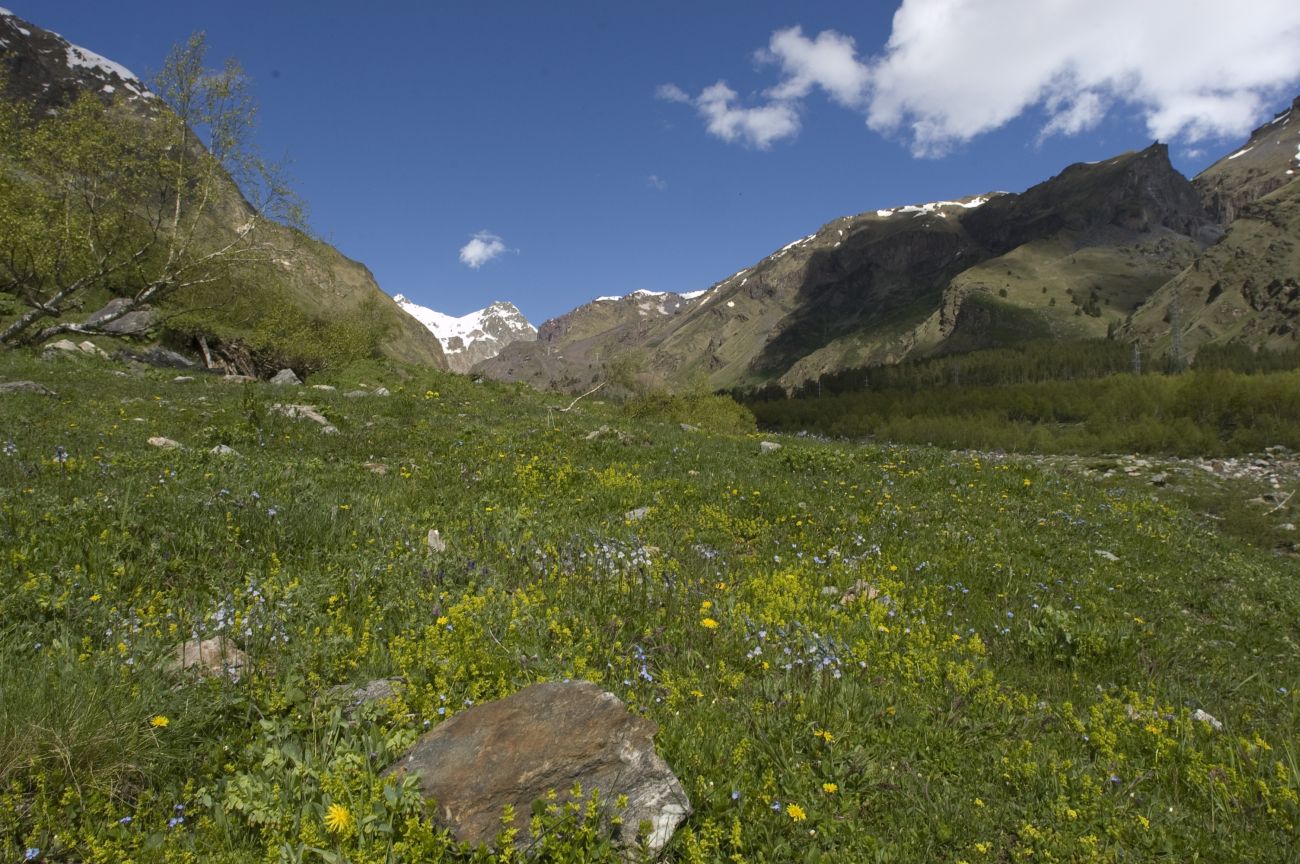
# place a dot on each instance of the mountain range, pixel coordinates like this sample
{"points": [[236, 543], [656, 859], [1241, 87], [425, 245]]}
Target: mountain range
{"points": [[1101, 249], [1127, 248]]}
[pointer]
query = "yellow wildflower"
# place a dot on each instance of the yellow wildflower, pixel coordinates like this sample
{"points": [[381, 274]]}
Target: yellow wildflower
{"points": [[824, 735], [709, 624], [830, 788], [338, 819], [796, 812], [159, 721]]}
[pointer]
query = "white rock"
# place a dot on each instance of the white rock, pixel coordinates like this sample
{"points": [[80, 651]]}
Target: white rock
{"points": [[1202, 717], [165, 443], [435, 541]]}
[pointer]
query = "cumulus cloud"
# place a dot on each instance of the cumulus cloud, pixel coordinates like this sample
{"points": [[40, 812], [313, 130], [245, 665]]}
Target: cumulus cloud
{"points": [[481, 248], [654, 181], [1194, 69], [955, 69], [672, 93]]}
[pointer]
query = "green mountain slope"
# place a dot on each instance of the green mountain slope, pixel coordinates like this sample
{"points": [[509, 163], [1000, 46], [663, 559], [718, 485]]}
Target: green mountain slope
{"points": [[301, 291]]}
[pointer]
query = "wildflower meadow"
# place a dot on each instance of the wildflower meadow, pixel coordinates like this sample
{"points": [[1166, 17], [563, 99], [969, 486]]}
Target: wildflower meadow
{"points": [[853, 652]]}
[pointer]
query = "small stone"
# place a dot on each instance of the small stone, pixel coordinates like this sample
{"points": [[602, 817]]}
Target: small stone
{"points": [[687, 427], [1103, 553], [62, 345], [165, 443], [376, 468], [209, 657], [25, 387], [435, 542], [1159, 479], [181, 379], [223, 450], [1208, 719], [636, 515], [328, 388], [238, 379], [1286, 526], [381, 391], [360, 695], [92, 349], [286, 378], [768, 446], [305, 412], [356, 394]]}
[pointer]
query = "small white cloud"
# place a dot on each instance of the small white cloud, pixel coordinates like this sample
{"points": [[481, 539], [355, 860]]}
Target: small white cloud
{"points": [[829, 62], [482, 248], [672, 93], [757, 127], [654, 181]]}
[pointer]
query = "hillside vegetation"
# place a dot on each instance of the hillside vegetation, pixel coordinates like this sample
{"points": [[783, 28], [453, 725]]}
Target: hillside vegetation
{"points": [[853, 653]]}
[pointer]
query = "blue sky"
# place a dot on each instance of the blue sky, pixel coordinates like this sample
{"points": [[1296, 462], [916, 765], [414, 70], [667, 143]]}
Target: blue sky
{"points": [[587, 145]]}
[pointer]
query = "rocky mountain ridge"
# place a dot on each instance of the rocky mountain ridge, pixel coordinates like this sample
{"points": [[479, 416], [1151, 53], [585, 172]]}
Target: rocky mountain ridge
{"points": [[1068, 258]]}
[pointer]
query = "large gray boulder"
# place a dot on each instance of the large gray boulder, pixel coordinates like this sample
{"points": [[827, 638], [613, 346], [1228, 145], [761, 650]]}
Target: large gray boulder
{"points": [[546, 737], [131, 323]]}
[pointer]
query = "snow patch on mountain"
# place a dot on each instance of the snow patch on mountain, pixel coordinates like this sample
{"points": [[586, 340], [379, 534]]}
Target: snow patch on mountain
{"points": [[472, 338]]}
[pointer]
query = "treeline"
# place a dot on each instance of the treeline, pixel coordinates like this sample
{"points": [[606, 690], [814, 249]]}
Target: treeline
{"points": [[1231, 401]]}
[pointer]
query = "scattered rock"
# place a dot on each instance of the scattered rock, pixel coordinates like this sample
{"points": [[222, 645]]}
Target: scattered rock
{"points": [[768, 446], [435, 542], [861, 590], [546, 737], [92, 349], [376, 468], [160, 357], [223, 450], [1208, 719], [238, 379], [305, 412], [636, 515], [360, 695], [356, 394], [381, 391], [687, 427], [1102, 553], [133, 323], [1286, 526], [606, 432], [165, 443], [181, 379], [1159, 479], [328, 388], [66, 345], [286, 377], [214, 657], [25, 387]]}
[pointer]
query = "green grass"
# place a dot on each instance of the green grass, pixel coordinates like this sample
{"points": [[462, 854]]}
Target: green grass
{"points": [[1008, 692]]}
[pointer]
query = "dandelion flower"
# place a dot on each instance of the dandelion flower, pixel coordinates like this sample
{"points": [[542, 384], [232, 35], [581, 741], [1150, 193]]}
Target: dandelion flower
{"points": [[159, 721], [338, 819], [709, 624], [830, 788], [796, 813]]}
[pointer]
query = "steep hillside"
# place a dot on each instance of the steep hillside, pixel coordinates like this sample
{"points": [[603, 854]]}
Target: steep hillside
{"points": [[307, 279], [475, 337], [1268, 161], [1068, 258]]}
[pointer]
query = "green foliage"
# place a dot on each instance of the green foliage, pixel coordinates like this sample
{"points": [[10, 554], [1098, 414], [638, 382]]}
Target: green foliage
{"points": [[852, 652], [714, 413]]}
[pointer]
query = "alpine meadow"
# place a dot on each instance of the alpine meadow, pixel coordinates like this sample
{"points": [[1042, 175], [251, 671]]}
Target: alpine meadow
{"points": [[960, 531]]}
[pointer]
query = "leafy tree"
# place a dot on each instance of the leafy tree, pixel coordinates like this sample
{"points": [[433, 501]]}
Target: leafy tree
{"points": [[141, 199]]}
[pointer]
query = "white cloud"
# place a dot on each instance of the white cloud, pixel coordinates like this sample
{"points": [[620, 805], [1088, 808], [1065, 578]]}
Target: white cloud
{"points": [[672, 93], [654, 181], [758, 127], [955, 69], [1193, 69], [829, 62], [482, 248]]}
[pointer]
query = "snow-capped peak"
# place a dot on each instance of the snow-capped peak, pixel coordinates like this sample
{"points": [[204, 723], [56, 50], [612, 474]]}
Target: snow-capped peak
{"points": [[469, 339]]}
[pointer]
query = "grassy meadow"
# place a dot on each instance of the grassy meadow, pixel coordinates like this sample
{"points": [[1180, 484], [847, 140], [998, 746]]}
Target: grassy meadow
{"points": [[853, 652]]}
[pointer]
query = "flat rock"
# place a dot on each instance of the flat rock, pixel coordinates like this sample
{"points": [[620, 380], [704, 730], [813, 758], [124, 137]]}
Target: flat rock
{"points": [[363, 694], [162, 358], [328, 388], [224, 450], [286, 377], [216, 657], [62, 345], [636, 515], [305, 412], [25, 387], [546, 737], [238, 379], [768, 446], [165, 443]]}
